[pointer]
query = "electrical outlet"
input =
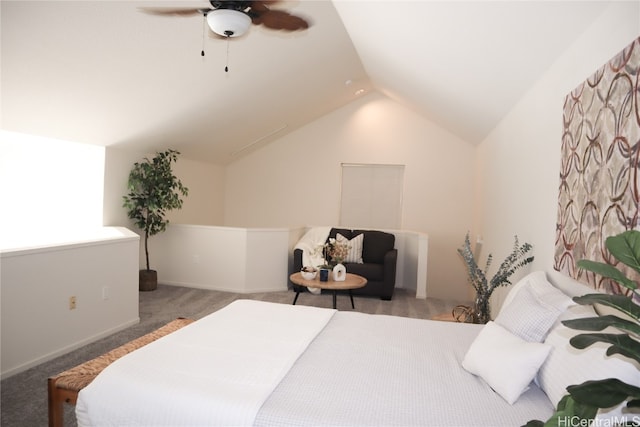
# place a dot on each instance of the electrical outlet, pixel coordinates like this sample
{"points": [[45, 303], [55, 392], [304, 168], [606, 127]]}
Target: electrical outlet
{"points": [[105, 292], [72, 303]]}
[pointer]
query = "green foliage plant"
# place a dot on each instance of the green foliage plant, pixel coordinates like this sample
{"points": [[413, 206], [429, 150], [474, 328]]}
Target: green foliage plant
{"points": [[153, 190], [478, 277], [583, 401]]}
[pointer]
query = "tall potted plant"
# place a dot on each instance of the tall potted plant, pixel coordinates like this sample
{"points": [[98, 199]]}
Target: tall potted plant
{"points": [[153, 191]]}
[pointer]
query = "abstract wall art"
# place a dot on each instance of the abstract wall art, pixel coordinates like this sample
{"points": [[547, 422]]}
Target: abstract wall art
{"points": [[599, 192]]}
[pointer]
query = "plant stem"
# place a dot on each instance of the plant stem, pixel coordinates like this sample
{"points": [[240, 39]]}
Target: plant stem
{"points": [[146, 248]]}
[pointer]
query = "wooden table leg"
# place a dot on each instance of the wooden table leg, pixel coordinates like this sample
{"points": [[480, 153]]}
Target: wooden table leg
{"points": [[335, 295]]}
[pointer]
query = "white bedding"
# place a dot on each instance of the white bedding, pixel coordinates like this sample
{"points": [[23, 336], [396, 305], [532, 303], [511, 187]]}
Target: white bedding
{"points": [[216, 371], [375, 370], [359, 369]]}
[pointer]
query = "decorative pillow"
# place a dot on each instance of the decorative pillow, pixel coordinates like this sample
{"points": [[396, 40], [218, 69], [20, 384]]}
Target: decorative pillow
{"points": [[532, 307], [355, 247], [527, 316], [376, 245], [537, 280], [535, 276], [567, 365], [504, 361]]}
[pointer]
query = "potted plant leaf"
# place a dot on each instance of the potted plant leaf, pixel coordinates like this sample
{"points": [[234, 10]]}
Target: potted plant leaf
{"points": [[481, 311], [153, 191], [583, 401]]}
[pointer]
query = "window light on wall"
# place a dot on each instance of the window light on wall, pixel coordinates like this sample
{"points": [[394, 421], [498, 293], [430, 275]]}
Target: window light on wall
{"points": [[50, 189]]}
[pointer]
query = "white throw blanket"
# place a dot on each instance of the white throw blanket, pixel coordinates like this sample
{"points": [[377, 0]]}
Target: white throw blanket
{"points": [[310, 243], [216, 371]]}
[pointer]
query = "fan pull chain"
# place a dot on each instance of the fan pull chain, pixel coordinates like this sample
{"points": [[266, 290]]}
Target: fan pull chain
{"points": [[226, 67], [204, 26]]}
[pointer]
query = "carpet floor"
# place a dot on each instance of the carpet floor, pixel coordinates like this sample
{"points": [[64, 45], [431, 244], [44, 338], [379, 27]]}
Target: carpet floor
{"points": [[24, 395]]}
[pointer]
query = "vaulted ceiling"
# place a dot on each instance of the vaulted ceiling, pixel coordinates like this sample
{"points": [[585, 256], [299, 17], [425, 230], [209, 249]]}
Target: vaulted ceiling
{"points": [[104, 72]]}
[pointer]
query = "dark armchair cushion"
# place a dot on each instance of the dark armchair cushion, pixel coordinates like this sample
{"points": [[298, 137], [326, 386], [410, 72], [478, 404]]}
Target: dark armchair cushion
{"points": [[373, 272], [376, 244]]}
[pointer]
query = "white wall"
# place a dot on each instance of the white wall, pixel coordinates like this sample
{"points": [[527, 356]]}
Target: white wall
{"points": [[519, 162], [203, 205], [53, 246], [245, 260], [36, 284], [223, 258], [117, 165], [296, 180], [413, 257]]}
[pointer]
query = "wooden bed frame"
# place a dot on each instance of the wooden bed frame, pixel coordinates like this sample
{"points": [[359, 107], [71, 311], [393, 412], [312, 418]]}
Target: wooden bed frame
{"points": [[65, 386]]}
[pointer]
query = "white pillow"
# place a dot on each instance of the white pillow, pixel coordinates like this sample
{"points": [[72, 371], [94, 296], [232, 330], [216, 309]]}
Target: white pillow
{"points": [[355, 247], [537, 280], [527, 316], [532, 307], [504, 361], [567, 365]]}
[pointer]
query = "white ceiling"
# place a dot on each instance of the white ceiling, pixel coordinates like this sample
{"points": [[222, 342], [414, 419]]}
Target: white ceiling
{"points": [[105, 73]]}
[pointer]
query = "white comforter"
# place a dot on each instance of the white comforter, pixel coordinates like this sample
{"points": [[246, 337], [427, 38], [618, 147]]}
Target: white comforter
{"points": [[375, 370], [217, 371], [264, 364]]}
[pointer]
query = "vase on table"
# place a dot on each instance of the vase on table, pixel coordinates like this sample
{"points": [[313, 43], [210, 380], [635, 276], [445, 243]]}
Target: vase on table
{"points": [[339, 272]]}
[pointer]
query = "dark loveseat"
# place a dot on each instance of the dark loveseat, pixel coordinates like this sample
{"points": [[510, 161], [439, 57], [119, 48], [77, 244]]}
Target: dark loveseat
{"points": [[379, 261]]}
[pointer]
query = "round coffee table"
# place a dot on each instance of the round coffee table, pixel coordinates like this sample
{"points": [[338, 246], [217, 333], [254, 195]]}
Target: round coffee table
{"points": [[352, 281]]}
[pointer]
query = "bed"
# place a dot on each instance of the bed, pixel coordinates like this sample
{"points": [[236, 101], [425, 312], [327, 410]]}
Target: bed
{"points": [[267, 364]]}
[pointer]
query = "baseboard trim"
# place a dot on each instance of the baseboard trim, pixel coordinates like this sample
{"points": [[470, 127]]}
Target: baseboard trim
{"points": [[222, 288], [64, 350]]}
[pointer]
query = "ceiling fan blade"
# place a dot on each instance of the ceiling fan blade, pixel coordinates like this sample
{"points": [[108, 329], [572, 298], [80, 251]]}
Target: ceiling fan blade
{"points": [[257, 10], [260, 6], [281, 20], [162, 11]]}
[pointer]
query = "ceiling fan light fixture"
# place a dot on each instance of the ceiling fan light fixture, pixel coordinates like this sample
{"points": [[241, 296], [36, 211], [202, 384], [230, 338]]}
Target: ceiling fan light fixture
{"points": [[228, 23]]}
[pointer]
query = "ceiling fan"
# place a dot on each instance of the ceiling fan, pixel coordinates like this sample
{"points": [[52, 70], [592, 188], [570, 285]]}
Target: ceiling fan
{"points": [[230, 18]]}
